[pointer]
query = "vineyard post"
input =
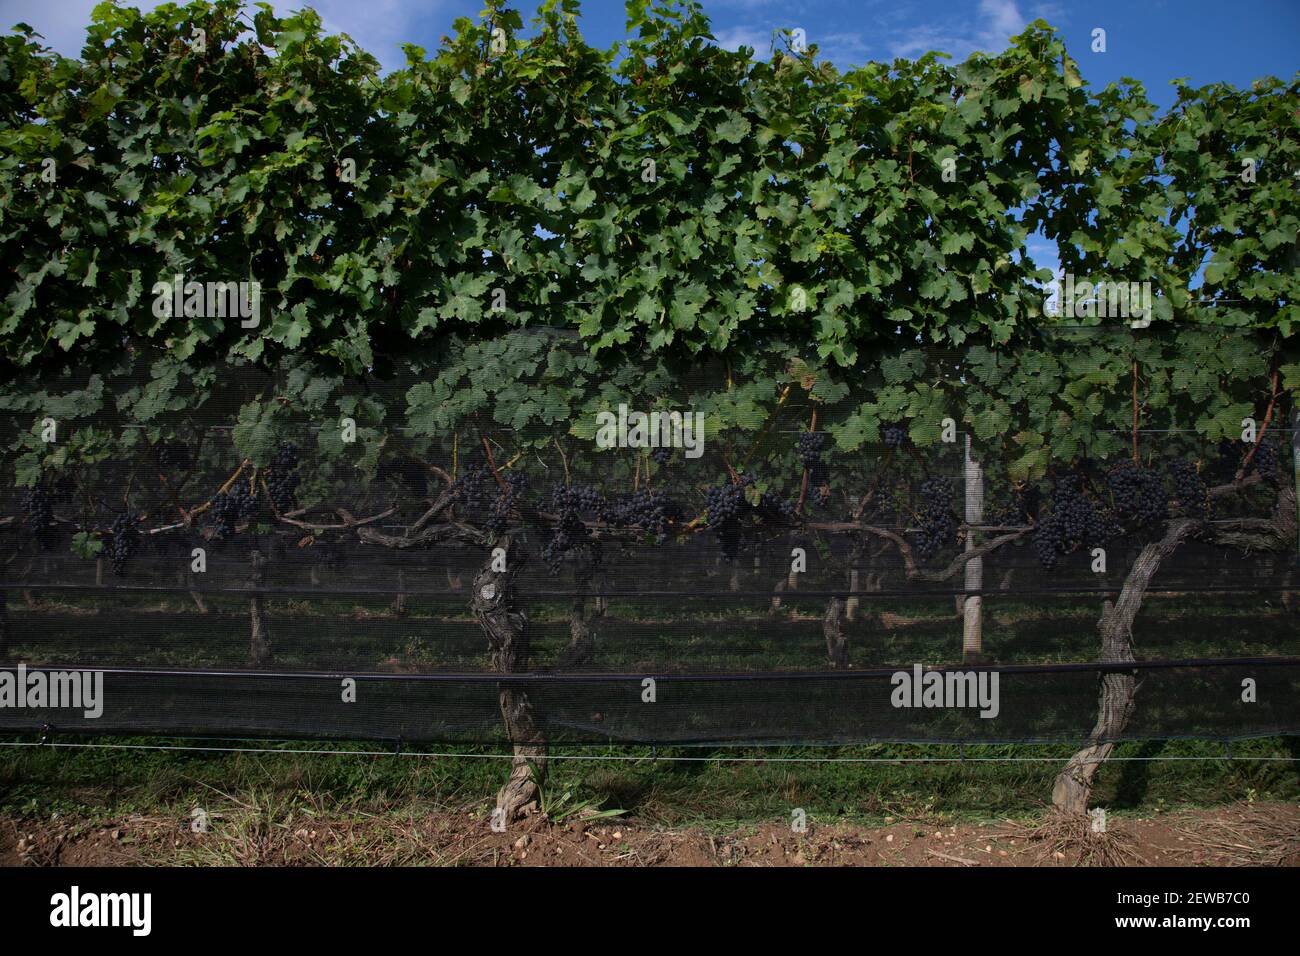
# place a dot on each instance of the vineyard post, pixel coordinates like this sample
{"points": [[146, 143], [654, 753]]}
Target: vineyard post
{"points": [[259, 639], [855, 581], [972, 644], [1295, 462]]}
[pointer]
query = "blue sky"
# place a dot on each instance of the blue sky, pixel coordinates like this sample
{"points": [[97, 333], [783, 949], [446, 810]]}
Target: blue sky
{"points": [[1150, 40]]}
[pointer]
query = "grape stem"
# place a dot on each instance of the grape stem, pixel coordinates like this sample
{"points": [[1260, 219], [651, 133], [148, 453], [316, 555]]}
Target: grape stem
{"points": [[1268, 420], [803, 484], [492, 462]]}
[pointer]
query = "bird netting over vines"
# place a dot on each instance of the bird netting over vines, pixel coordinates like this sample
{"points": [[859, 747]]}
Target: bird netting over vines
{"points": [[261, 545], [539, 392]]}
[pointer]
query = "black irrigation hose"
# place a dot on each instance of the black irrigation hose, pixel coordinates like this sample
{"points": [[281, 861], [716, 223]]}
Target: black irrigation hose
{"points": [[535, 677], [702, 744], [523, 594]]}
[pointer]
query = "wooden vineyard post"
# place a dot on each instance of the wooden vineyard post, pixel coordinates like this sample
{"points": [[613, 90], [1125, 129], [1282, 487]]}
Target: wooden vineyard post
{"points": [[1295, 467], [259, 640], [972, 641]]}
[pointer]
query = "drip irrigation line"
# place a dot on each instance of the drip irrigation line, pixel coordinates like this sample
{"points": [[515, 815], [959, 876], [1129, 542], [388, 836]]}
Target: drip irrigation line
{"points": [[522, 594], [652, 758], [538, 677]]}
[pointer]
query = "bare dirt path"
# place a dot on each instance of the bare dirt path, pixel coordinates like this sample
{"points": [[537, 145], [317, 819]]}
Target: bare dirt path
{"points": [[1259, 834]]}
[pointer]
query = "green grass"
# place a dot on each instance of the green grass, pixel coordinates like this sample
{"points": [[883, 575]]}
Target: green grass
{"points": [[100, 784]]}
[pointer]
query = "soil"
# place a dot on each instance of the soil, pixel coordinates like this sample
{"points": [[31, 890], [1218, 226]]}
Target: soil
{"points": [[1241, 834]]}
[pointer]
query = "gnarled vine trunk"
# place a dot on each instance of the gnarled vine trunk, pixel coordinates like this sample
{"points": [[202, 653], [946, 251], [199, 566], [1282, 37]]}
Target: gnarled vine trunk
{"points": [[774, 606], [507, 632], [581, 649], [1117, 695]]}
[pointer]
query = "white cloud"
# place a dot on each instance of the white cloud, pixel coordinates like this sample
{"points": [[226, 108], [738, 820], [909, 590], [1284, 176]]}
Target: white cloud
{"points": [[379, 26], [843, 49], [733, 38], [997, 21], [1003, 18]]}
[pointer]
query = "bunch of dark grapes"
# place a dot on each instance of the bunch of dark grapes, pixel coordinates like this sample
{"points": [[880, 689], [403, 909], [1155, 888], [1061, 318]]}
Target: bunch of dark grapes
{"points": [[725, 504], [1190, 489], [938, 524], [1137, 494], [651, 511], [661, 456], [507, 500], [281, 481], [571, 534], [894, 434], [575, 498], [811, 445], [774, 506], [1073, 522], [1266, 460], [125, 541], [38, 510], [231, 507], [468, 488], [172, 458]]}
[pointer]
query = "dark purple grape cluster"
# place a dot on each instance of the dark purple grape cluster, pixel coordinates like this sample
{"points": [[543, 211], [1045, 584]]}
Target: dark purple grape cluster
{"points": [[894, 434], [1073, 521], [231, 507], [507, 500], [771, 505], [124, 542], [281, 481], [1266, 460], [811, 446], [38, 510], [724, 503], [1190, 489], [936, 520], [571, 536], [1137, 495], [651, 511], [468, 488], [578, 499], [661, 456]]}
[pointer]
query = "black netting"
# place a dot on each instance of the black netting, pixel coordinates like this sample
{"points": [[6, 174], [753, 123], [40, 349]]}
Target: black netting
{"points": [[345, 582]]}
